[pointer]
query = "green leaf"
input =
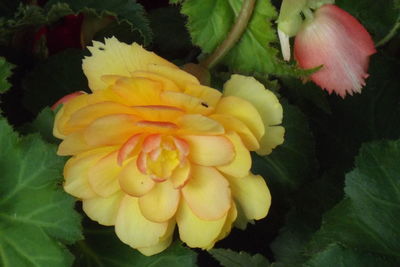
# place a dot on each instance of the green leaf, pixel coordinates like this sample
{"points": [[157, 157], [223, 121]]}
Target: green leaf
{"points": [[209, 22], [126, 11], [54, 78], [36, 217], [338, 256], [5, 73], [43, 124], [367, 219], [293, 162], [102, 248], [230, 258]]}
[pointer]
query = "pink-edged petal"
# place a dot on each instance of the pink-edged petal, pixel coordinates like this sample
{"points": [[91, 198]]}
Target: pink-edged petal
{"points": [[133, 182], [241, 163], [111, 130], [127, 148], [207, 193], [195, 232], [341, 44], [209, 150], [103, 210], [134, 229], [151, 142], [66, 98], [161, 203], [103, 175]]}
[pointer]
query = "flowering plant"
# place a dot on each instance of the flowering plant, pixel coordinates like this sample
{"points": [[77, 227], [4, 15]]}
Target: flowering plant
{"points": [[153, 133]]}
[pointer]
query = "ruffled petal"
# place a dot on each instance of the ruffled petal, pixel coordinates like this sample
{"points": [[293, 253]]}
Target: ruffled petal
{"points": [[244, 111], [207, 193], [252, 195], [134, 182], [267, 105], [103, 175], [195, 232], [209, 150], [116, 58], [103, 210], [161, 203], [241, 163], [134, 229], [341, 44]]}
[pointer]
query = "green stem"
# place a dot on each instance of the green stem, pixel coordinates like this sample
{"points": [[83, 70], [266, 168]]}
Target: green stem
{"points": [[233, 36], [391, 33]]}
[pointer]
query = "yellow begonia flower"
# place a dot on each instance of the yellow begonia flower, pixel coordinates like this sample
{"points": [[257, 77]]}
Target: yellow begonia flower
{"points": [[153, 148]]}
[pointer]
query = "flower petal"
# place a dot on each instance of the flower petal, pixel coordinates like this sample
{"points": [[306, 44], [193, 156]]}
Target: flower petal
{"points": [[180, 77], [341, 44], [76, 172], [73, 144], [103, 209], [116, 58], [181, 175], [198, 124], [209, 95], [134, 182], [207, 193], [233, 124], [163, 243], [251, 194], [134, 229], [244, 111], [160, 204], [241, 163], [103, 175], [195, 232], [273, 137], [209, 150]]}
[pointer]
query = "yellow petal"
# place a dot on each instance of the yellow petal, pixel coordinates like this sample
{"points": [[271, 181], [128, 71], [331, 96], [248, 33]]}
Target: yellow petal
{"points": [[209, 150], [226, 229], [207, 193], [133, 182], [273, 137], [265, 102], [160, 204], [116, 58], [210, 96], [244, 111], [76, 172], [198, 124], [180, 176], [189, 104], [233, 124], [88, 114], [73, 144], [134, 229], [178, 76], [103, 210], [110, 130], [166, 84], [252, 195], [103, 175], [195, 232], [163, 243], [241, 163]]}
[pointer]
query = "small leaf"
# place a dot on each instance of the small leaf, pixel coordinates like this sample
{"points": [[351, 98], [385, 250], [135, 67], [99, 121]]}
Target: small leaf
{"points": [[43, 124], [230, 258], [102, 248], [37, 218], [5, 73]]}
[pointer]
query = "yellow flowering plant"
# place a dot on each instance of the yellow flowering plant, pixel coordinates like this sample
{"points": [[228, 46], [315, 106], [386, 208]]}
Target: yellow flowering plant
{"points": [[153, 149]]}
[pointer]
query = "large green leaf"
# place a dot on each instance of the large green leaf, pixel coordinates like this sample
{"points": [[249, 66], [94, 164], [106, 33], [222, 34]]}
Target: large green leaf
{"points": [[209, 22], [230, 258], [367, 219], [5, 73], [125, 11], [102, 248], [53, 78], [36, 217]]}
